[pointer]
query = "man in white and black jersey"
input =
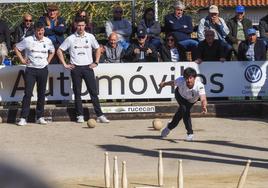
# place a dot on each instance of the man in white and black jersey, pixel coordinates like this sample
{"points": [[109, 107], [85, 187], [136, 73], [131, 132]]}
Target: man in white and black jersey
{"points": [[80, 45], [38, 52], [188, 91]]}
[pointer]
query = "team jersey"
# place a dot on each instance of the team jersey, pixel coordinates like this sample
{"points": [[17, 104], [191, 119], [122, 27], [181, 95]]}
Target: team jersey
{"points": [[36, 51], [80, 48], [191, 95]]}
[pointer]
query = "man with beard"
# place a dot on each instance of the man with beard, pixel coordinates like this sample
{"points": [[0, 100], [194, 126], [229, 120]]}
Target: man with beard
{"points": [[188, 91]]}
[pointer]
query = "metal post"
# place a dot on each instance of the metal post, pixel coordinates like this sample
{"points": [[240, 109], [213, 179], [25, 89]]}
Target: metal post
{"points": [[156, 9], [133, 13]]}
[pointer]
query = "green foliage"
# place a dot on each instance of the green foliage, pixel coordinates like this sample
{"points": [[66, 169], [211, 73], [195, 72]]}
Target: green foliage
{"points": [[98, 11]]}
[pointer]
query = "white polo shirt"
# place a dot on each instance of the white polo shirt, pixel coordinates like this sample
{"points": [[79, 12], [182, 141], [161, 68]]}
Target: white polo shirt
{"points": [[80, 48], [191, 95], [36, 51]]}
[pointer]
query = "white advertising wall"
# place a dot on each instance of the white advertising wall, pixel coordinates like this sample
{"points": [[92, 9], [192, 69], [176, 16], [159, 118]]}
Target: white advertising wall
{"points": [[140, 80]]}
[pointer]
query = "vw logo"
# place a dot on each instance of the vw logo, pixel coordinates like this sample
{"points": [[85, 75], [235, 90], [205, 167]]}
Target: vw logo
{"points": [[253, 73]]}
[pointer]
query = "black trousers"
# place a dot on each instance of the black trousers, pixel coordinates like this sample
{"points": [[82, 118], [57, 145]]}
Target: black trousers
{"points": [[183, 112], [32, 76], [87, 74]]}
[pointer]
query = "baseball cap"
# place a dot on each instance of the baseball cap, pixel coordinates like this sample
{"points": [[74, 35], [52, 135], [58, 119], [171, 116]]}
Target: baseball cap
{"points": [[39, 24], [251, 31], [141, 33], [240, 8], [213, 9], [178, 4], [52, 7]]}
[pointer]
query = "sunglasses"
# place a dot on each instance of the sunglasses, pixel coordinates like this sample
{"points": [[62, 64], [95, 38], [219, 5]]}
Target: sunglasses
{"points": [[170, 39], [28, 20], [141, 37]]}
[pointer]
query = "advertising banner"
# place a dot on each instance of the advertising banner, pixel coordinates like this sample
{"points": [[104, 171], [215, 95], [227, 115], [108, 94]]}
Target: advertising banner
{"points": [[140, 80]]}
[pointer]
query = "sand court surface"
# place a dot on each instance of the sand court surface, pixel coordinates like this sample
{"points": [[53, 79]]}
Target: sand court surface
{"points": [[71, 155]]}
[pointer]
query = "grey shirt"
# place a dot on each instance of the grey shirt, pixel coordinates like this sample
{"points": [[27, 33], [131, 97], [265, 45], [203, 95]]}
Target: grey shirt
{"points": [[122, 27]]}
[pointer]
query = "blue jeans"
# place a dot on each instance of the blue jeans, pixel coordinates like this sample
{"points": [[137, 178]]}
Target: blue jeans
{"points": [[265, 40], [156, 42], [190, 45], [228, 49], [124, 44]]}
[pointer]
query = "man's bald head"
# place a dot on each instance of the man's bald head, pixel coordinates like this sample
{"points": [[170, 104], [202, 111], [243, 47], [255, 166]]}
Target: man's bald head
{"points": [[113, 39]]}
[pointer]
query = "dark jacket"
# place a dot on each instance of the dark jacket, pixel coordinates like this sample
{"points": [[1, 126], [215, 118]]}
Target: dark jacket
{"points": [[210, 53], [19, 32], [259, 51], [181, 28], [232, 25], [263, 27], [5, 34], [132, 57], [56, 34], [165, 53], [154, 28]]}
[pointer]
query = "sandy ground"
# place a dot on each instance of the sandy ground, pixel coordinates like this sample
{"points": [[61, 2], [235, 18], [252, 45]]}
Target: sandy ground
{"points": [[71, 155]]}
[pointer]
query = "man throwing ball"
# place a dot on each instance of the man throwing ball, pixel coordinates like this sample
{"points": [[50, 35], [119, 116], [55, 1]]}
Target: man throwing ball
{"points": [[188, 91]]}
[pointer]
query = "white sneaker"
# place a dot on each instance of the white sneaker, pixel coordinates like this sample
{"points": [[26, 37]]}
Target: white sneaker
{"points": [[22, 122], [102, 119], [165, 132], [190, 137], [41, 121], [80, 119]]}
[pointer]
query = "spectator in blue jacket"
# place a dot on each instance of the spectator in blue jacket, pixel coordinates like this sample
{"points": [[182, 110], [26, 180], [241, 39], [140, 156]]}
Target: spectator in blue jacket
{"points": [[55, 27], [252, 49], [181, 26]]}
